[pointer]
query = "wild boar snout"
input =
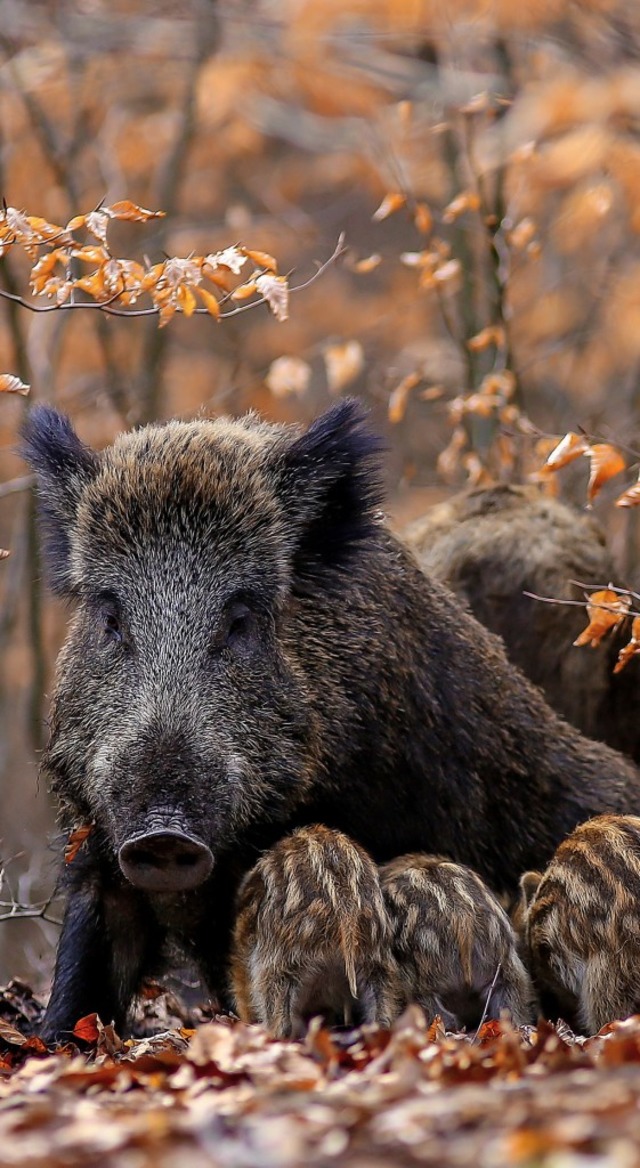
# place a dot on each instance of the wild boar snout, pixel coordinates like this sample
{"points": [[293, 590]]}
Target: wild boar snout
{"points": [[165, 861]]}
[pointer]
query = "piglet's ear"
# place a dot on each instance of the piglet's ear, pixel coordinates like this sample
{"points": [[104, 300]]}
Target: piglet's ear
{"points": [[63, 466], [331, 485]]}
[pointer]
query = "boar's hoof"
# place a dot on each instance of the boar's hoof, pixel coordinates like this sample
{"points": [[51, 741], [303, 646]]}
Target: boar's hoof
{"points": [[165, 861]]}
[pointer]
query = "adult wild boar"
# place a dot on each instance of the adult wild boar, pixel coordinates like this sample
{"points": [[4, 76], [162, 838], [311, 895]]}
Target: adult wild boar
{"points": [[492, 545], [252, 651]]}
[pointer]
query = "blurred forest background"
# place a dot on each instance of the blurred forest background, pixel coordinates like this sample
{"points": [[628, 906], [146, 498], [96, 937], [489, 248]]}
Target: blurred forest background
{"points": [[483, 160]]}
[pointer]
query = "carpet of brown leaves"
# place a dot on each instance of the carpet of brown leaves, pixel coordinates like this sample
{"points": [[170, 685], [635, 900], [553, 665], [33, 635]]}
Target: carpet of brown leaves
{"points": [[226, 1094]]}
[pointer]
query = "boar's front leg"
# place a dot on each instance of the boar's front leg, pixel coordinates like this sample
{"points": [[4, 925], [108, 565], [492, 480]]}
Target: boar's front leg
{"points": [[104, 948]]}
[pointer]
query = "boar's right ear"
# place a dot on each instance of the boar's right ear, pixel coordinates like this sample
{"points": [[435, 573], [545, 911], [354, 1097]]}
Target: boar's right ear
{"points": [[331, 486], [63, 466]]}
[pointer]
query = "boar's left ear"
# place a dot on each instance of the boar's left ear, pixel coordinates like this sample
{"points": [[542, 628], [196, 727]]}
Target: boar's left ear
{"points": [[63, 466], [332, 488]]}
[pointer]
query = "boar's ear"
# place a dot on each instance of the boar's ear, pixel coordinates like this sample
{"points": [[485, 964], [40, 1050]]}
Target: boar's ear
{"points": [[63, 465], [332, 489], [529, 884]]}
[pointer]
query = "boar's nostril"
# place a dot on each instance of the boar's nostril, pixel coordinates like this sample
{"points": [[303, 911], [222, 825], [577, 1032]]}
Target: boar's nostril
{"points": [[165, 861]]}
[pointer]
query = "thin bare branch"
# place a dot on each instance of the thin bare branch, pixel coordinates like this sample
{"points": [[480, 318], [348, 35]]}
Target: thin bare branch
{"points": [[16, 486], [583, 603], [488, 1001]]}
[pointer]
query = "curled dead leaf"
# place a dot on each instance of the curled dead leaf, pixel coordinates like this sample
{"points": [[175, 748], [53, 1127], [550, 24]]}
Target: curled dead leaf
{"points": [[124, 209], [87, 1028], [400, 396], [9, 383], [75, 841], [391, 202], [261, 259], [423, 218], [366, 264], [494, 334], [606, 462], [465, 201], [606, 609], [631, 648], [343, 363], [448, 461], [288, 376], [570, 448], [275, 291], [522, 234], [630, 497]]}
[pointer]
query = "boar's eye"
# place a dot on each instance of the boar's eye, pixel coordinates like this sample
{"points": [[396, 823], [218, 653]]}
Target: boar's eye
{"points": [[240, 628], [112, 629], [109, 614]]}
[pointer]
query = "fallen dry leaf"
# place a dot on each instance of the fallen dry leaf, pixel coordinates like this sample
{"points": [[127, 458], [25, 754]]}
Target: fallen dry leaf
{"points": [[228, 1093]]}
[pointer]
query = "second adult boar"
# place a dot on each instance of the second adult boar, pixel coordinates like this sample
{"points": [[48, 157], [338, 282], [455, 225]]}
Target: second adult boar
{"points": [[493, 545], [252, 650]]}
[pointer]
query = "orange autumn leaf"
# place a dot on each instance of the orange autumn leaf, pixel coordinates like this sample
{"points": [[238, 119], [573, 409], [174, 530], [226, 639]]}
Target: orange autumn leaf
{"points": [[630, 497], [124, 209], [391, 202], [42, 271], [366, 264], [9, 383], [90, 254], [244, 291], [261, 259], [492, 335], [570, 448], [605, 610], [400, 396], [606, 462], [423, 218], [75, 841], [343, 362], [186, 299], [87, 1028], [631, 649], [211, 304], [465, 201], [522, 234]]}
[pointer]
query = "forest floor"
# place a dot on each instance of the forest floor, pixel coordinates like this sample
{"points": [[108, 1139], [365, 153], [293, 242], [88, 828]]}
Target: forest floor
{"points": [[226, 1094]]}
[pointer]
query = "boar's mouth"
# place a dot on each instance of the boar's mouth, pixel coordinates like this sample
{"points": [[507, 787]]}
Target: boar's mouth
{"points": [[165, 860]]}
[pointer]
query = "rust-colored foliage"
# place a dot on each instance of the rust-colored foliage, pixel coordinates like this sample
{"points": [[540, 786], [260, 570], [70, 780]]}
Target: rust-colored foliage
{"points": [[175, 285], [75, 841], [605, 610]]}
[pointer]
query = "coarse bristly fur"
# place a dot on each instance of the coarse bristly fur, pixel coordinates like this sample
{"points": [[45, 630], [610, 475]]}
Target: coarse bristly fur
{"points": [[581, 924], [252, 651], [454, 943], [492, 545], [312, 937]]}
